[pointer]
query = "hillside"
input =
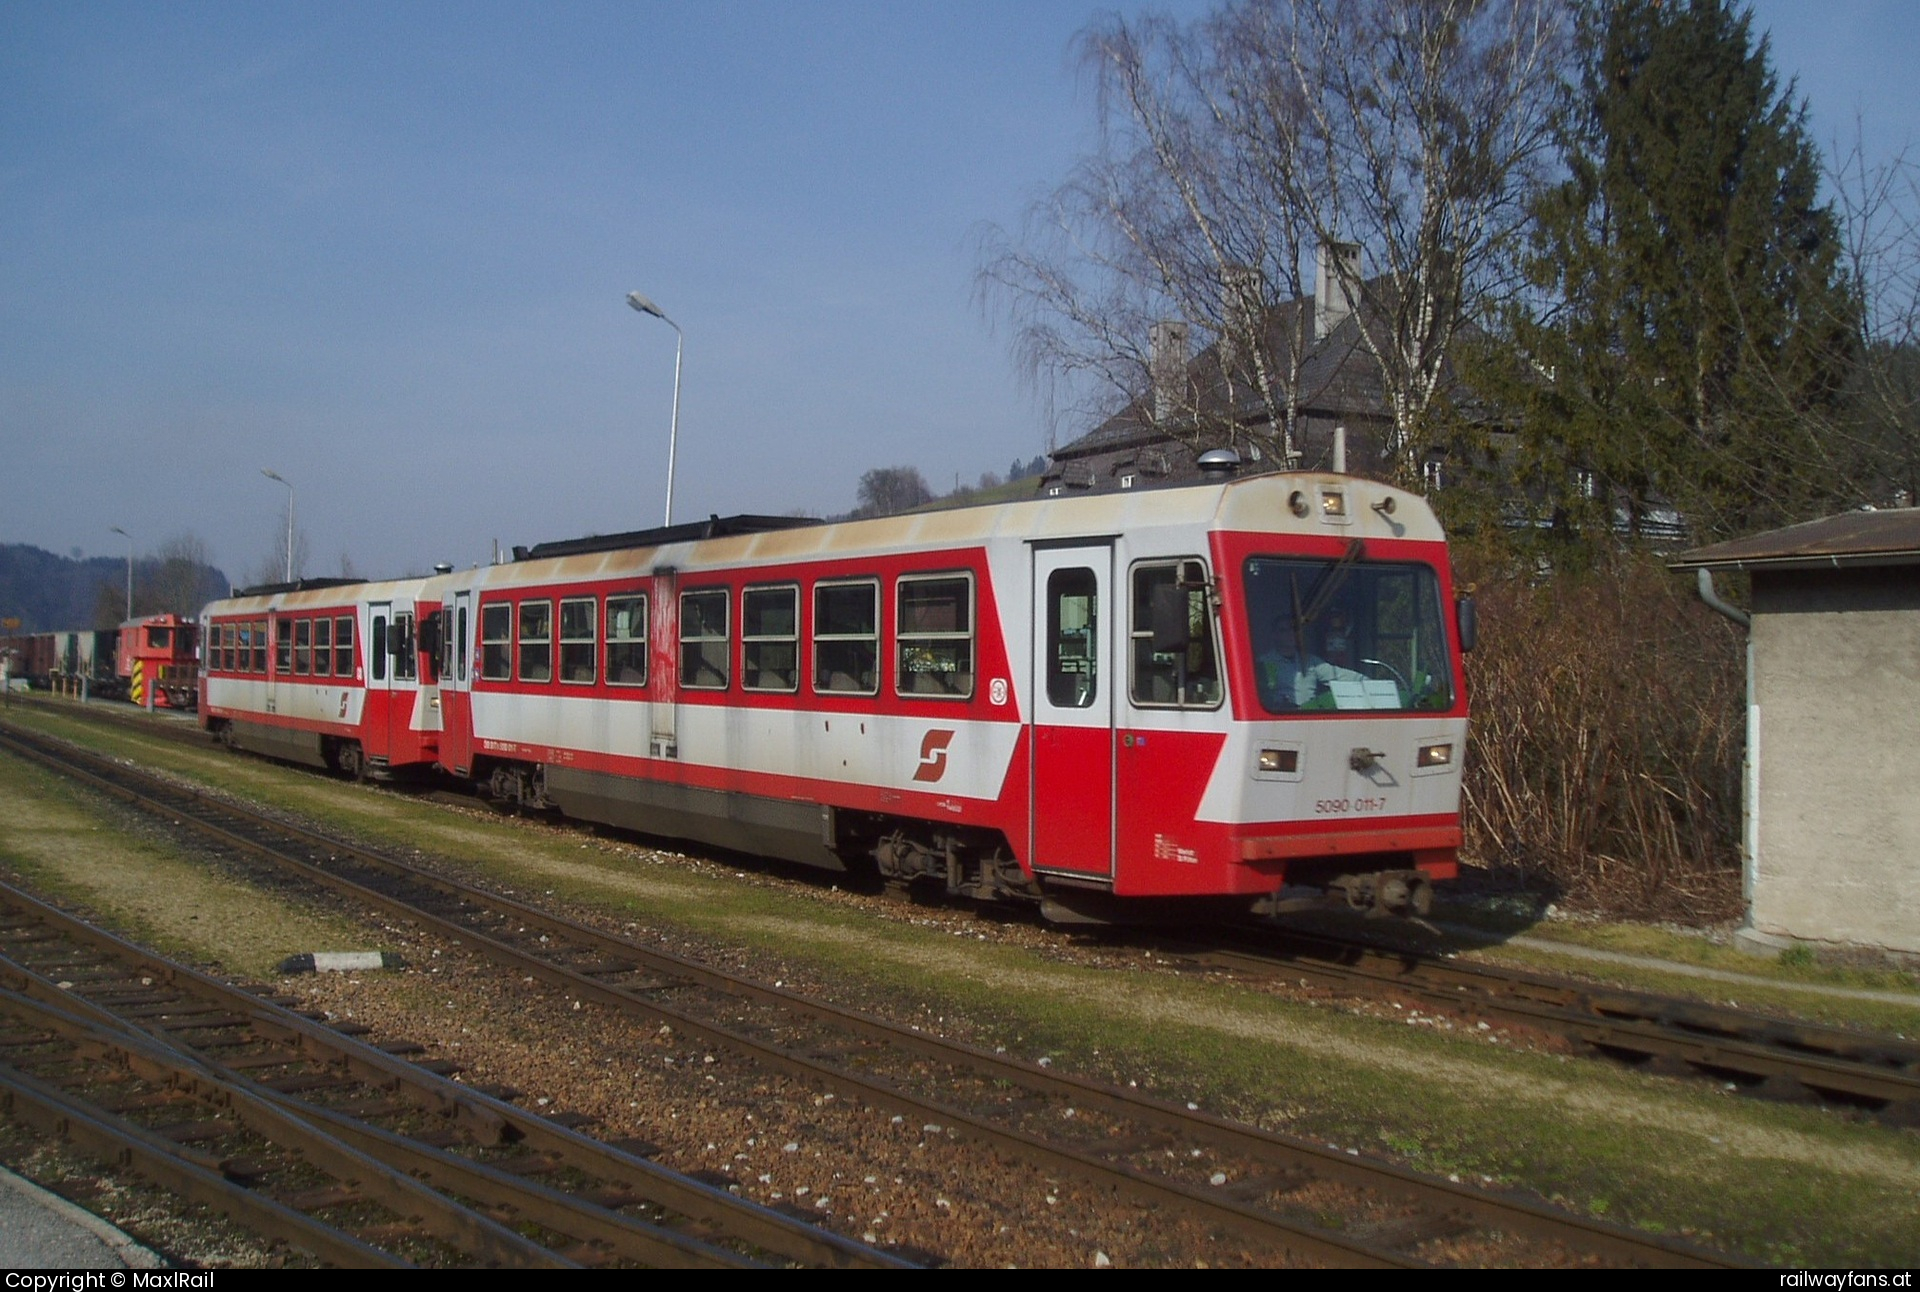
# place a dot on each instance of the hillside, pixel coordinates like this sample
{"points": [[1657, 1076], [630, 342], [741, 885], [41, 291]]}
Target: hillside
{"points": [[47, 592]]}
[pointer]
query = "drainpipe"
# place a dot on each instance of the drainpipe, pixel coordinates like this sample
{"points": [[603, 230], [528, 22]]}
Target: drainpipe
{"points": [[1750, 765], [1711, 596]]}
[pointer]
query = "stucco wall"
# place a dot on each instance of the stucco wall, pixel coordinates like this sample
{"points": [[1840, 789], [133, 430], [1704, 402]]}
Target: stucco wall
{"points": [[1836, 672]]}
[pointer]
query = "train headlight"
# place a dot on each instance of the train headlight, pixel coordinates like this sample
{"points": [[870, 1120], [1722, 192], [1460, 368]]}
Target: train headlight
{"points": [[1436, 755], [1333, 504], [1279, 760]]}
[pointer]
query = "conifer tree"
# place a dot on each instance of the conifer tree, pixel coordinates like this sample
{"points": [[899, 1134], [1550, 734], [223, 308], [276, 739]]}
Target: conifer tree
{"points": [[1693, 330]]}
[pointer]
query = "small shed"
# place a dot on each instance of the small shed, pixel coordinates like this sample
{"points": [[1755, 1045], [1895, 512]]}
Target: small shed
{"points": [[1832, 846]]}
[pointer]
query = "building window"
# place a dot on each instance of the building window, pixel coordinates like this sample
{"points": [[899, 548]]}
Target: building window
{"points": [[770, 639], [703, 639], [578, 646], [627, 641], [536, 641], [935, 637], [1433, 475], [846, 637], [496, 642]]}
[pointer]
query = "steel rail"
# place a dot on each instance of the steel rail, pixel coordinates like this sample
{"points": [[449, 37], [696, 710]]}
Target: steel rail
{"points": [[484, 1118], [116, 1140], [1509, 1214], [1782, 1056], [478, 1236], [527, 1199]]}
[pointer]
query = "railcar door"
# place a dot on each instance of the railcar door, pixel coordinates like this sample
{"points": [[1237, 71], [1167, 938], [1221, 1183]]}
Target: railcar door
{"points": [[456, 739], [1071, 807]]}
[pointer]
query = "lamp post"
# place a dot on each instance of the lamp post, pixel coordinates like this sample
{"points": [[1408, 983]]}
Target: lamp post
{"points": [[129, 537], [271, 474], [646, 306]]}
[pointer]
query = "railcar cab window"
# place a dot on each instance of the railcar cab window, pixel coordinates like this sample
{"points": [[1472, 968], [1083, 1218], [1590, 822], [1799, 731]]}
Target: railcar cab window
{"points": [[770, 639], [578, 646], [1176, 656], [496, 642], [405, 653], [846, 637], [703, 639], [627, 641], [935, 637], [1346, 634], [536, 641]]}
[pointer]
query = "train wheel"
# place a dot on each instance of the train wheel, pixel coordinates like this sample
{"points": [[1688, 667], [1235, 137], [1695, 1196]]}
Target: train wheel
{"points": [[353, 761]]}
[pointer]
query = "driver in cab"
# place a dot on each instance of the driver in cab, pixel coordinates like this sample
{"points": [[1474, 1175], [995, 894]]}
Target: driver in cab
{"points": [[1290, 675]]}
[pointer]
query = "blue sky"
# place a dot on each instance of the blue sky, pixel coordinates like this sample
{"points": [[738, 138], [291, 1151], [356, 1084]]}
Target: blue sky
{"points": [[383, 249]]}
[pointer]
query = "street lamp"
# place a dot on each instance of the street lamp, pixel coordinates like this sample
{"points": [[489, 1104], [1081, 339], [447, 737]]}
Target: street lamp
{"points": [[646, 306], [129, 537], [271, 474]]}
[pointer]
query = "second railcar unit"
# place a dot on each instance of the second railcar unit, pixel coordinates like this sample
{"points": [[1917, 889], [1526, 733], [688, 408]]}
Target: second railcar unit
{"points": [[325, 672], [1244, 690]]}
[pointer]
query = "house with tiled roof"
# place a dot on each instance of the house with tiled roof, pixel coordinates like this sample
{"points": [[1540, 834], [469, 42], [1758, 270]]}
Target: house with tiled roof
{"points": [[1312, 357]]}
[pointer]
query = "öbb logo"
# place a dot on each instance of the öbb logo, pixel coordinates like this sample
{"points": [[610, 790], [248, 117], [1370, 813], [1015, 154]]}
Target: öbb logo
{"points": [[933, 756]]}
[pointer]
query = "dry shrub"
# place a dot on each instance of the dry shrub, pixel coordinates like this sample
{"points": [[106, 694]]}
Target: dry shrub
{"points": [[1608, 721]]}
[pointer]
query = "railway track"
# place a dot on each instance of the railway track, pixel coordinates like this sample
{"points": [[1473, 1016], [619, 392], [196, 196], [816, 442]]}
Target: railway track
{"points": [[314, 1138], [1264, 1188], [1768, 1057]]}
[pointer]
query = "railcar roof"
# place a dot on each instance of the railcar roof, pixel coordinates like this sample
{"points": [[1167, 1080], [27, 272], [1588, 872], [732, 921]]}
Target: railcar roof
{"points": [[316, 594], [1255, 504]]}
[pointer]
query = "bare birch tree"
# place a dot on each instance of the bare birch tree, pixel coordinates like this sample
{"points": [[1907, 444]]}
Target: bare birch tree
{"points": [[1233, 148], [1878, 205]]}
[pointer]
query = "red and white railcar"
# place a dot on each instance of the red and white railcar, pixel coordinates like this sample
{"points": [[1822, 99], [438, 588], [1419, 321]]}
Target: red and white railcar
{"points": [[326, 672], [1234, 689]]}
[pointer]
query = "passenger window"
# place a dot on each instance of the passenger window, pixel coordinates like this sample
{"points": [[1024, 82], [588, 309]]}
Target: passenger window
{"points": [[302, 646], [461, 658], [343, 646], [1073, 650], [935, 638], [627, 641], [260, 646], [1176, 662], [770, 639], [322, 647], [703, 639], [536, 641], [846, 637], [496, 642], [578, 645], [283, 646]]}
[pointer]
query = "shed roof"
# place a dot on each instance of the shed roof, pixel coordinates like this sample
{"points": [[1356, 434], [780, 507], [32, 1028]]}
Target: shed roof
{"points": [[1854, 538]]}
